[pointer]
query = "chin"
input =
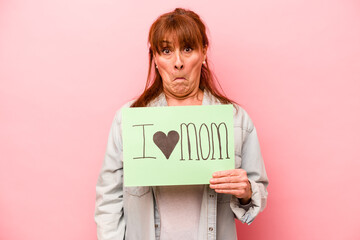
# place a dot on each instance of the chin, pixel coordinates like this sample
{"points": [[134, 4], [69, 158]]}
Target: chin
{"points": [[180, 91]]}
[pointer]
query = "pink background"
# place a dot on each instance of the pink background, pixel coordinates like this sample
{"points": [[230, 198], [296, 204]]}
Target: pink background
{"points": [[67, 65]]}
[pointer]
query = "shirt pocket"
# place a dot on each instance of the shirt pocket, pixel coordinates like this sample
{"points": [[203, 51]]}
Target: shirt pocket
{"points": [[137, 191]]}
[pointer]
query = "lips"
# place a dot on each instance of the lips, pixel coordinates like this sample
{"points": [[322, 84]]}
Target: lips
{"points": [[179, 78]]}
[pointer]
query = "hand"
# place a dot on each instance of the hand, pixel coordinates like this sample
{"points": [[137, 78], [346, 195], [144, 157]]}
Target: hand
{"points": [[235, 182]]}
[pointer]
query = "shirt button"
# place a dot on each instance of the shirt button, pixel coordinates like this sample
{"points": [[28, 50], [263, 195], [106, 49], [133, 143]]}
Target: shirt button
{"points": [[211, 195], [156, 225], [211, 229]]}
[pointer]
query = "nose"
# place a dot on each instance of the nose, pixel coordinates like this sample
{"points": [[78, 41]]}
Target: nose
{"points": [[179, 64]]}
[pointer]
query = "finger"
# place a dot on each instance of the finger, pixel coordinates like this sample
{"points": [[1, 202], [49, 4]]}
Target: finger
{"points": [[229, 186], [231, 172], [223, 173], [237, 193], [232, 179]]}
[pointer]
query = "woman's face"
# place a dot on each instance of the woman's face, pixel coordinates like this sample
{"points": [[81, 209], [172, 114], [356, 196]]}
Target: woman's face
{"points": [[179, 68]]}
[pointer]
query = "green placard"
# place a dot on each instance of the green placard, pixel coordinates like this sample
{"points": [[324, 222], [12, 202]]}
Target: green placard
{"points": [[176, 145]]}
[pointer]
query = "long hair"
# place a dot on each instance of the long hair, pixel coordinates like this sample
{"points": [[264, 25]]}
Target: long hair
{"points": [[189, 30]]}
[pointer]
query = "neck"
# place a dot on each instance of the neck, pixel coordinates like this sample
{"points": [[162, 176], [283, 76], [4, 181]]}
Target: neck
{"points": [[192, 99]]}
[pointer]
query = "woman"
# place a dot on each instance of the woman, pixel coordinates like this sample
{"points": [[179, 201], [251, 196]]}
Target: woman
{"points": [[179, 75]]}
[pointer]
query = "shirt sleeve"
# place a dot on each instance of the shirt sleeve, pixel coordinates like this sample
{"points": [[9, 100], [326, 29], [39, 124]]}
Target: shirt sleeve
{"points": [[252, 162], [109, 214]]}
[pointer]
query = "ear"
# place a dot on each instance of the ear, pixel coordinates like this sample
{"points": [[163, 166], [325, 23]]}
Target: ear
{"points": [[205, 52], [154, 57], [205, 49]]}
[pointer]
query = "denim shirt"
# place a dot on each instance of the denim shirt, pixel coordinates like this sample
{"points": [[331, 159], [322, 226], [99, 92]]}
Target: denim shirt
{"points": [[132, 213]]}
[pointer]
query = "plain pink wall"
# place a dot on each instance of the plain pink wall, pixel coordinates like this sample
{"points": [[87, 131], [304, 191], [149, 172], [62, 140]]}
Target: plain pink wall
{"points": [[67, 65]]}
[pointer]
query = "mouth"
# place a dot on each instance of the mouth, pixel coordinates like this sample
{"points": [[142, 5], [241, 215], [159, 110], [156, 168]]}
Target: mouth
{"points": [[179, 78]]}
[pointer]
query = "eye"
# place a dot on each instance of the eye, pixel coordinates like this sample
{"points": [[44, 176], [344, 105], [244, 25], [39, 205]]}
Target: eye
{"points": [[188, 49], [165, 51]]}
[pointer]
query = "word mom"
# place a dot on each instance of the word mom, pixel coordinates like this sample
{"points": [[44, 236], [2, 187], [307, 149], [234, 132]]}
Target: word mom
{"points": [[202, 142]]}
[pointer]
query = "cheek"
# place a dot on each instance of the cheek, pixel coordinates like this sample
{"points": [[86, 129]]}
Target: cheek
{"points": [[196, 62], [196, 67], [165, 75], [164, 68]]}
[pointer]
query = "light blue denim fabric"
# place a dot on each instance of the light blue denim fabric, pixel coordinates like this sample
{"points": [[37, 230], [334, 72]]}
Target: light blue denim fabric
{"points": [[132, 213]]}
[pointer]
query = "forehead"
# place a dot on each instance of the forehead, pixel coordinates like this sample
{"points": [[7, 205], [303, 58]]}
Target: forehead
{"points": [[170, 39], [176, 39]]}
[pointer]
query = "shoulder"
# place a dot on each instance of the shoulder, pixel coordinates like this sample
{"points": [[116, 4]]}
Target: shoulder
{"points": [[119, 111], [242, 119], [157, 102]]}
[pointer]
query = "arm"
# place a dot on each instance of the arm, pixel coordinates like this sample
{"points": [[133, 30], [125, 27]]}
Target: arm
{"points": [[253, 164], [248, 184], [109, 214]]}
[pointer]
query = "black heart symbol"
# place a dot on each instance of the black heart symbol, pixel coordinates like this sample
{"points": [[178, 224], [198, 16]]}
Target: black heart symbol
{"points": [[166, 143]]}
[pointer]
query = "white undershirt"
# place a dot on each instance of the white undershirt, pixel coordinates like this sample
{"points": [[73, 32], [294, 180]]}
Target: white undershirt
{"points": [[179, 208]]}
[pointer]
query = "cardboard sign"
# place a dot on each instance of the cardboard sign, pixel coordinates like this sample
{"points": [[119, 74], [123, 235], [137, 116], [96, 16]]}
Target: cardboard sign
{"points": [[176, 145]]}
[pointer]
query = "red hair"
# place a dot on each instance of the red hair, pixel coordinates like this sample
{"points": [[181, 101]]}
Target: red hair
{"points": [[189, 30]]}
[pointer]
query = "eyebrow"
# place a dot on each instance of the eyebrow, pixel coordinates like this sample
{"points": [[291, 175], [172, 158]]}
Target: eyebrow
{"points": [[166, 42]]}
